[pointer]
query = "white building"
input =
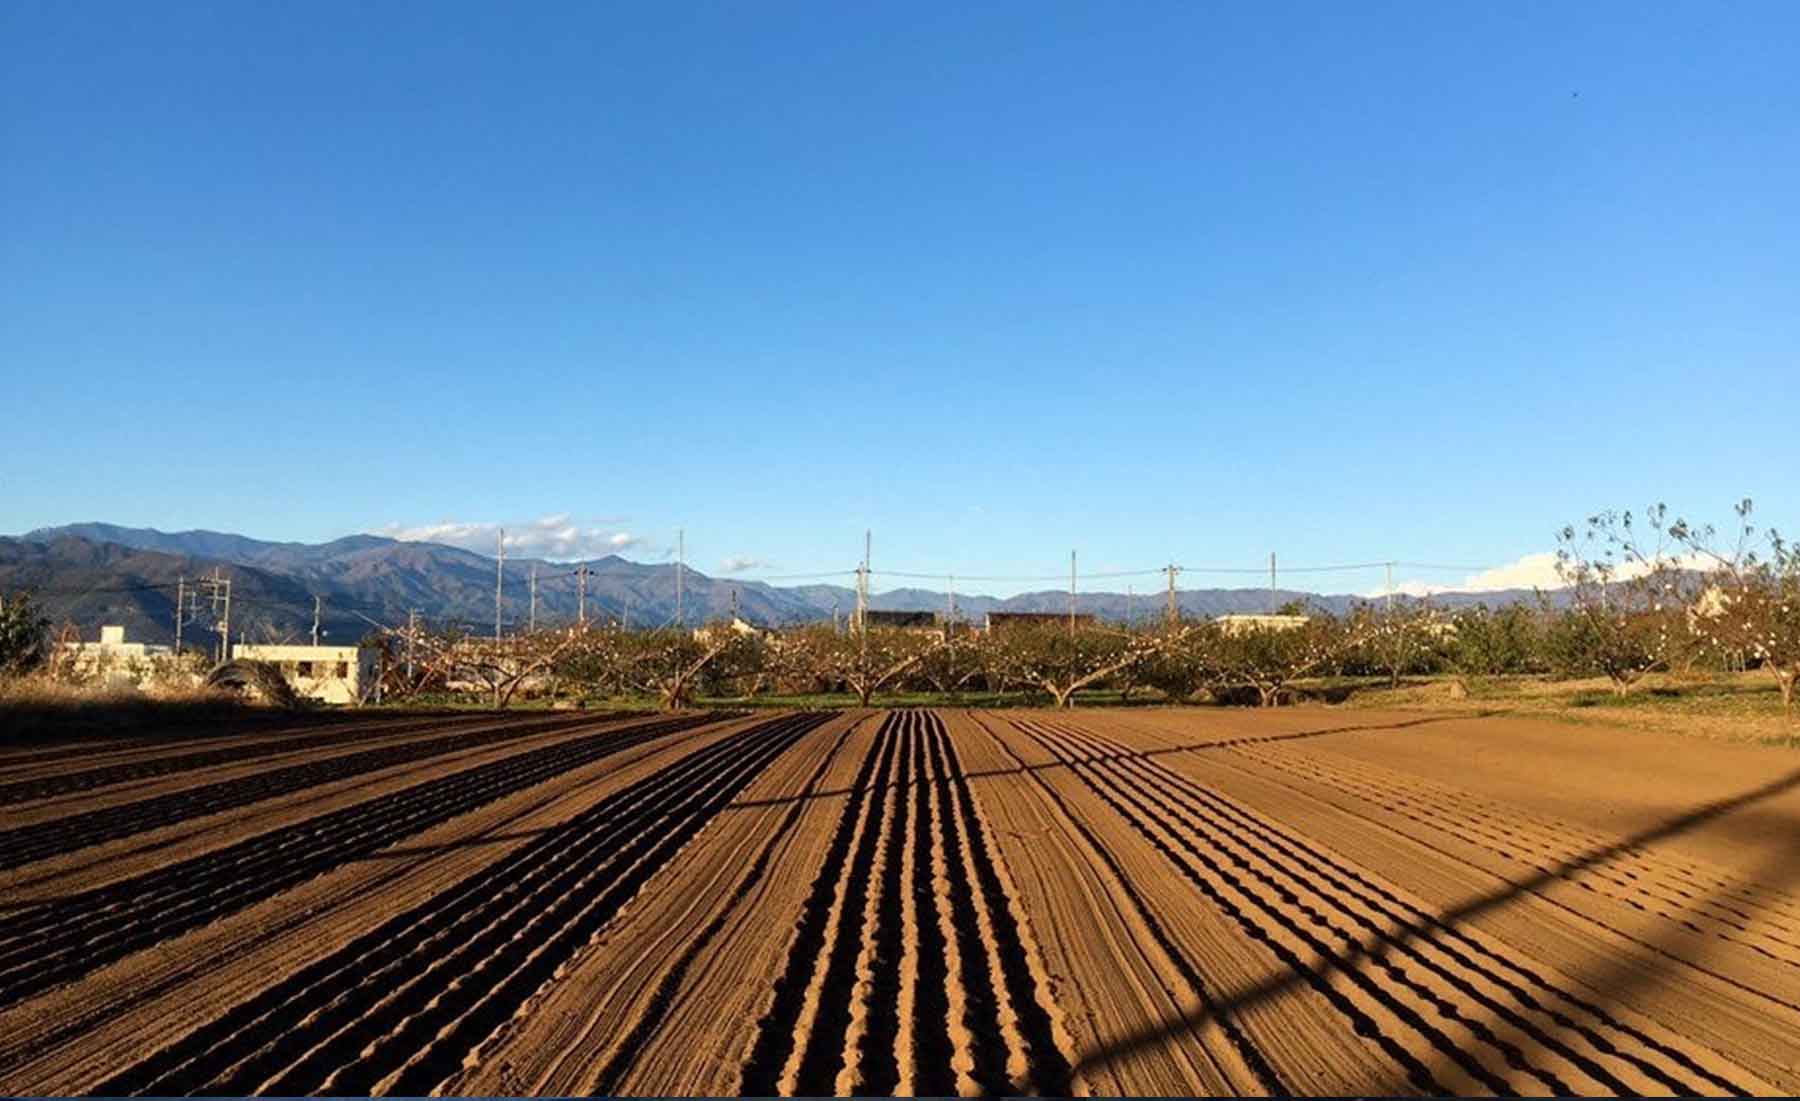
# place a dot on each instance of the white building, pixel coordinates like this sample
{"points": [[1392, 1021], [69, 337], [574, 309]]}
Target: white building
{"points": [[334, 674], [114, 659], [1242, 623]]}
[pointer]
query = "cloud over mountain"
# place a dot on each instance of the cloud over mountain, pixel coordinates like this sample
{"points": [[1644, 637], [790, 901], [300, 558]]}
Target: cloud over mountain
{"points": [[557, 537]]}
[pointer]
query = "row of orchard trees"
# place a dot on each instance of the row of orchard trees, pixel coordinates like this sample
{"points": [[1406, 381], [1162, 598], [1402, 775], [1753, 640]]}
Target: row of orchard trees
{"points": [[1640, 594]]}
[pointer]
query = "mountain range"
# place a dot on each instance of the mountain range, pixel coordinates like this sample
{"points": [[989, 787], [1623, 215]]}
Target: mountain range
{"points": [[95, 573]]}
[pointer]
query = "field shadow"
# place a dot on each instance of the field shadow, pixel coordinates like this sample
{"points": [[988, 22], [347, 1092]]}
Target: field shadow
{"points": [[1617, 984], [1233, 1002]]}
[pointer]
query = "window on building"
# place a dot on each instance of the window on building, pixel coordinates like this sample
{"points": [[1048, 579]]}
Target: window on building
{"points": [[343, 669], [305, 669]]}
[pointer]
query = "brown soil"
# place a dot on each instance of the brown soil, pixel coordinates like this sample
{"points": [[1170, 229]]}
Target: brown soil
{"points": [[1109, 902]]}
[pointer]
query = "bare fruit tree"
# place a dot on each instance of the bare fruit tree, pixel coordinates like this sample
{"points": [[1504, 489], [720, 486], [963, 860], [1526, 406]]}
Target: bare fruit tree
{"points": [[1270, 658], [1749, 607], [672, 663], [1627, 593], [1063, 662], [862, 664], [1397, 638]]}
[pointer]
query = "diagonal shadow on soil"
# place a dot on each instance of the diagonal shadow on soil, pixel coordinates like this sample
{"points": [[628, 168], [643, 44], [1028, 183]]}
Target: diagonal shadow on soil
{"points": [[1626, 973], [1231, 1002]]}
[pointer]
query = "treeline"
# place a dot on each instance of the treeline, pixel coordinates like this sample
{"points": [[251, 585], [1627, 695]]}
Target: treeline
{"points": [[1639, 594]]}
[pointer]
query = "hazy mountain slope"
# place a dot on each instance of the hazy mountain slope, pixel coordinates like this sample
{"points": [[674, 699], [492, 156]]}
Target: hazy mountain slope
{"points": [[101, 573]]}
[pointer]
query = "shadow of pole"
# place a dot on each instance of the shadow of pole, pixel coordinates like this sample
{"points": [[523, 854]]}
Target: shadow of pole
{"points": [[1235, 1001], [1626, 974]]}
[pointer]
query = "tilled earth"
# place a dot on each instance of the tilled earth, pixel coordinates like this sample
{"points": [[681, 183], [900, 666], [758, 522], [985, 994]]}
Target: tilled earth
{"points": [[932, 902]]}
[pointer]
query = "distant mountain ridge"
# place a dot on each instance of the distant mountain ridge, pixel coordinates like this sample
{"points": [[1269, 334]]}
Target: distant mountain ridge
{"points": [[94, 573]]}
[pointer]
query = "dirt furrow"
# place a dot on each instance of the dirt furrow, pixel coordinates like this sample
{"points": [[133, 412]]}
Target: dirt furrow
{"points": [[870, 1067], [1466, 966], [238, 751], [1229, 1060], [1039, 1056], [408, 1000], [52, 837], [818, 1056], [606, 1080], [783, 1029], [1743, 915], [1372, 1012], [62, 940]]}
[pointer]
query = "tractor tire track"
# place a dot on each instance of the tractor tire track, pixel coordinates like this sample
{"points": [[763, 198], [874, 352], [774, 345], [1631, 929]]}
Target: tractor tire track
{"points": [[57, 942], [400, 1008], [43, 840]]}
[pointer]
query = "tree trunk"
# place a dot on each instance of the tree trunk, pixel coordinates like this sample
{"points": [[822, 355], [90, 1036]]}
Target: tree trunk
{"points": [[863, 692], [1269, 695], [1061, 697], [1786, 678]]}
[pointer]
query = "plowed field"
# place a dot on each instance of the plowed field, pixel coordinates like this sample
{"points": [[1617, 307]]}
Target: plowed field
{"points": [[917, 902]]}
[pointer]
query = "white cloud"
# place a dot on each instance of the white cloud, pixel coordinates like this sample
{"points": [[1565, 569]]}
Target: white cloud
{"points": [[739, 563], [556, 537], [1532, 571]]}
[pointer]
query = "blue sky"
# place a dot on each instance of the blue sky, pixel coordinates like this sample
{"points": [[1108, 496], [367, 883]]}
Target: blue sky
{"points": [[1185, 281]]}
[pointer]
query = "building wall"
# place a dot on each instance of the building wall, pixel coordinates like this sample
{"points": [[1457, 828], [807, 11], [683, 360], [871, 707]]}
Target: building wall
{"points": [[334, 674]]}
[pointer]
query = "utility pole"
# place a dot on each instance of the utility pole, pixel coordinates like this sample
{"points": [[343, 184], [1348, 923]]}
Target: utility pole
{"points": [[317, 604], [1271, 582], [862, 600], [581, 594], [499, 581], [1390, 588], [680, 563], [950, 621], [1071, 594], [835, 627], [219, 589], [533, 620], [1174, 617], [180, 602], [1129, 594], [412, 632]]}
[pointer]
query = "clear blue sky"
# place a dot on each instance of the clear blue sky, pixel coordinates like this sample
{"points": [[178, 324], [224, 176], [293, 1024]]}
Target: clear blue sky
{"points": [[1349, 281]]}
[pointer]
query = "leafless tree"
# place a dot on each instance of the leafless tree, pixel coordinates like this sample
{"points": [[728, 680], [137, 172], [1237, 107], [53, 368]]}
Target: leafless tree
{"points": [[1627, 593], [1750, 603]]}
